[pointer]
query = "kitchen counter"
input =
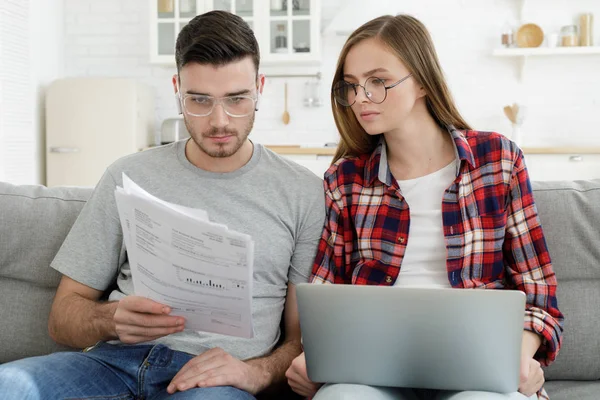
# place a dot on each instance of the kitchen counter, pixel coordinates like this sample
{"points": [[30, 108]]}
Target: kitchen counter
{"points": [[330, 151], [561, 150], [296, 149]]}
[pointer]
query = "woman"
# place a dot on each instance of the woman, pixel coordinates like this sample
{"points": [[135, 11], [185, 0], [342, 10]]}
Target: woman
{"points": [[407, 158]]}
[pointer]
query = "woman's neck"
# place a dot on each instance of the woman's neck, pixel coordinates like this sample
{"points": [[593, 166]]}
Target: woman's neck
{"points": [[418, 147]]}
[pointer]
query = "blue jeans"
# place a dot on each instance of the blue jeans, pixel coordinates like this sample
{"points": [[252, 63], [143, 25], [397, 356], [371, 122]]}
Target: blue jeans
{"points": [[115, 372]]}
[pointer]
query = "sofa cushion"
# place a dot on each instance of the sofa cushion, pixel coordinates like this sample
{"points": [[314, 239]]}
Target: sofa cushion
{"points": [[570, 215], [570, 390], [34, 221]]}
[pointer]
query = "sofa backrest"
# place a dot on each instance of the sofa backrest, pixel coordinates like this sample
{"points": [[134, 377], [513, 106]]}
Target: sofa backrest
{"points": [[570, 215], [34, 221]]}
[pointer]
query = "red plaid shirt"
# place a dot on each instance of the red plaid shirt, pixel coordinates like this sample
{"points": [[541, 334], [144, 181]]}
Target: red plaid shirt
{"points": [[492, 231]]}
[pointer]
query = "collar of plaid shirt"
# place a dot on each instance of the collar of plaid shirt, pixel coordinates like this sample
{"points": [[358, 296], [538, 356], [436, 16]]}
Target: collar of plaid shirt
{"points": [[491, 229], [377, 166]]}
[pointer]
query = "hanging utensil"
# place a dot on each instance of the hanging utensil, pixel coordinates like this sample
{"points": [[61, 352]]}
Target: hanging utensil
{"points": [[286, 115], [508, 111]]}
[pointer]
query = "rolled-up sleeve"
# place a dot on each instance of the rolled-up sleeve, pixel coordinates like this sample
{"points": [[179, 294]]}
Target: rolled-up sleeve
{"points": [[529, 266]]}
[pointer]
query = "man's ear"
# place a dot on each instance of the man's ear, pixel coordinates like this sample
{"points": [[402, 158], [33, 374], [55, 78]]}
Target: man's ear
{"points": [[257, 104], [260, 86], [177, 94]]}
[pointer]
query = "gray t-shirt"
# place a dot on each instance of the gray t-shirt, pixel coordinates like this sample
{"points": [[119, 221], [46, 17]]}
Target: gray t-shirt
{"points": [[276, 201]]}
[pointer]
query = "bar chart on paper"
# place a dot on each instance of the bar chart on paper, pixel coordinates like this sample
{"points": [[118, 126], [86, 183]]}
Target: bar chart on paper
{"points": [[204, 281]]}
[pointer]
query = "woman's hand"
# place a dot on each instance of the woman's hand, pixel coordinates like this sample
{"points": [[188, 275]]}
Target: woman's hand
{"points": [[298, 379], [532, 376]]}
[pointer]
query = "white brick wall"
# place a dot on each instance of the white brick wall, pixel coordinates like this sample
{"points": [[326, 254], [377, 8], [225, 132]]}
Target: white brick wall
{"points": [[111, 38]]}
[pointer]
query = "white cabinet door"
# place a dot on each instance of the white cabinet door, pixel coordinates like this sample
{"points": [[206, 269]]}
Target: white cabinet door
{"points": [[550, 167], [167, 18], [290, 31], [246, 9], [287, 31]]}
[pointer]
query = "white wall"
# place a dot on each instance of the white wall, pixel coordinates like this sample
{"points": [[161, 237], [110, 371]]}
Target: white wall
{"points": [[111, 38], [47, 55], [562, 93], [17, 138], [30, 57]]}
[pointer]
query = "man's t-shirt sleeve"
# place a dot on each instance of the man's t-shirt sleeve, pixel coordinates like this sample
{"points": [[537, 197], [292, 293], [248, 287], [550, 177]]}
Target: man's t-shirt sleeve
{"points": [[93, 250]]}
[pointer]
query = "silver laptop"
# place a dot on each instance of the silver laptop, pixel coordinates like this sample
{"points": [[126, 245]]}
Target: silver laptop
{"points": [[452, 339]]}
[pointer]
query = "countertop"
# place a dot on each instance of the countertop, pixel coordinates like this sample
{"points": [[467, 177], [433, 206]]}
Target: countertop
{"points": [[330, 151]]}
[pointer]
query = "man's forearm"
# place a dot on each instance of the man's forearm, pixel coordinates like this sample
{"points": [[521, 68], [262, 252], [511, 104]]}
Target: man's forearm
{"points": [[79, 322], [275, 364]]}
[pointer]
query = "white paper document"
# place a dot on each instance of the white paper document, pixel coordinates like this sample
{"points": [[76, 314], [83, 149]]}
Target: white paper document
{"points": [[200, 269]]}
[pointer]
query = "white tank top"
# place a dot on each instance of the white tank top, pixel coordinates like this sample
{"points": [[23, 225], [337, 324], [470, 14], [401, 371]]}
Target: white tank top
{"points": [[424, 263]]}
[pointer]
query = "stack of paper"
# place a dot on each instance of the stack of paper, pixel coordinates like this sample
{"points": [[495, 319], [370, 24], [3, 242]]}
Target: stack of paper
{"points": [[200, 269]]}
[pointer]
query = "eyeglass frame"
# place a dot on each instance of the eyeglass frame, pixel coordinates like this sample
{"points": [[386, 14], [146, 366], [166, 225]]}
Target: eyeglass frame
{"points": [[217, 100], [354, 85]]}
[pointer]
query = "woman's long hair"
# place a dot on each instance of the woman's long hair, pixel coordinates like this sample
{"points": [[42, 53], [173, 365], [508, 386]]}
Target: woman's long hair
{"points": [[410, 41]]}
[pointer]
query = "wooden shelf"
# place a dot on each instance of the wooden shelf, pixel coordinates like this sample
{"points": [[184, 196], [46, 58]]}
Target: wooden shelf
{"points": [[545, 51], [523, 54]]}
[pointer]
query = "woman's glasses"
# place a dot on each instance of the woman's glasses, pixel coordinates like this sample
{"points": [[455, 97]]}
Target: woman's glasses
{"points": [[375, 90]]}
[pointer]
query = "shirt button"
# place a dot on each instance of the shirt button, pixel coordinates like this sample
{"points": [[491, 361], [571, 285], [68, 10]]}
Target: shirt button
{"points": [[400, 239], [388, 279]]}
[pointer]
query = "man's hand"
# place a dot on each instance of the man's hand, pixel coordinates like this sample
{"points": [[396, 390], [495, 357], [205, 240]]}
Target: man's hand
{"points": [[218, 368], [298, 379], [532, 376], [138, 319]]}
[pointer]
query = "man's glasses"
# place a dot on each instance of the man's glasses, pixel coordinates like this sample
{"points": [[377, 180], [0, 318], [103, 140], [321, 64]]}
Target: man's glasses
{"points": [[235, 106], [375, 90]]}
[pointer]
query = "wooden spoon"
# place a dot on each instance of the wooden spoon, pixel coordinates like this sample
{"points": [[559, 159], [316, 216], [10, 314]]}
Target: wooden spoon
{"points": [[515, 109], [508, 111], [286, 115]]}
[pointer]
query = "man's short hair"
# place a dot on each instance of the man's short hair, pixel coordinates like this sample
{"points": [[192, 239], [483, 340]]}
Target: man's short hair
{"points": [[216, 38]]}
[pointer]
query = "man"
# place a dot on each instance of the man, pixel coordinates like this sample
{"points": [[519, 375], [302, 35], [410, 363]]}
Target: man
{"points": [[137, 349]]}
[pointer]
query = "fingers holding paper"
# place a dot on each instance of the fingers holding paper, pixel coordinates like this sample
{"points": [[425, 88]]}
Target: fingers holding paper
{"points": [[138, 319]]}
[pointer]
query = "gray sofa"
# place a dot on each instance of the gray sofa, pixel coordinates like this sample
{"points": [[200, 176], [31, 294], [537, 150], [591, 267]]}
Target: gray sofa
{"points": [[34, 221]]}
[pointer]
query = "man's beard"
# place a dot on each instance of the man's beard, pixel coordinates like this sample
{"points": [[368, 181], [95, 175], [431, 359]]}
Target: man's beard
{"points": [[223, 149]]}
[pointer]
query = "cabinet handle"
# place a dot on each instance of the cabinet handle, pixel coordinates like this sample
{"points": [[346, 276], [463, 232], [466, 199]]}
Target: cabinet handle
{"points": [[576, 158], [64, 150]]}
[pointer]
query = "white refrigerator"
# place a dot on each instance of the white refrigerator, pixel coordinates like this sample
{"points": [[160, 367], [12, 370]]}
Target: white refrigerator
{"points": [[92, 122]]}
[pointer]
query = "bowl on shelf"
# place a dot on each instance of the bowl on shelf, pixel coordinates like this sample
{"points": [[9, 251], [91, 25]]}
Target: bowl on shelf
{"points": [[530, 35]]}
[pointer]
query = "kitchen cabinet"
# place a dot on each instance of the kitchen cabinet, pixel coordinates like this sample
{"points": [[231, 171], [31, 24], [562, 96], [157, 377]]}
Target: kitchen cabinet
{"points": [[543, 163], [316, 164], [316, 159], [569, 166], [287, 31]]}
